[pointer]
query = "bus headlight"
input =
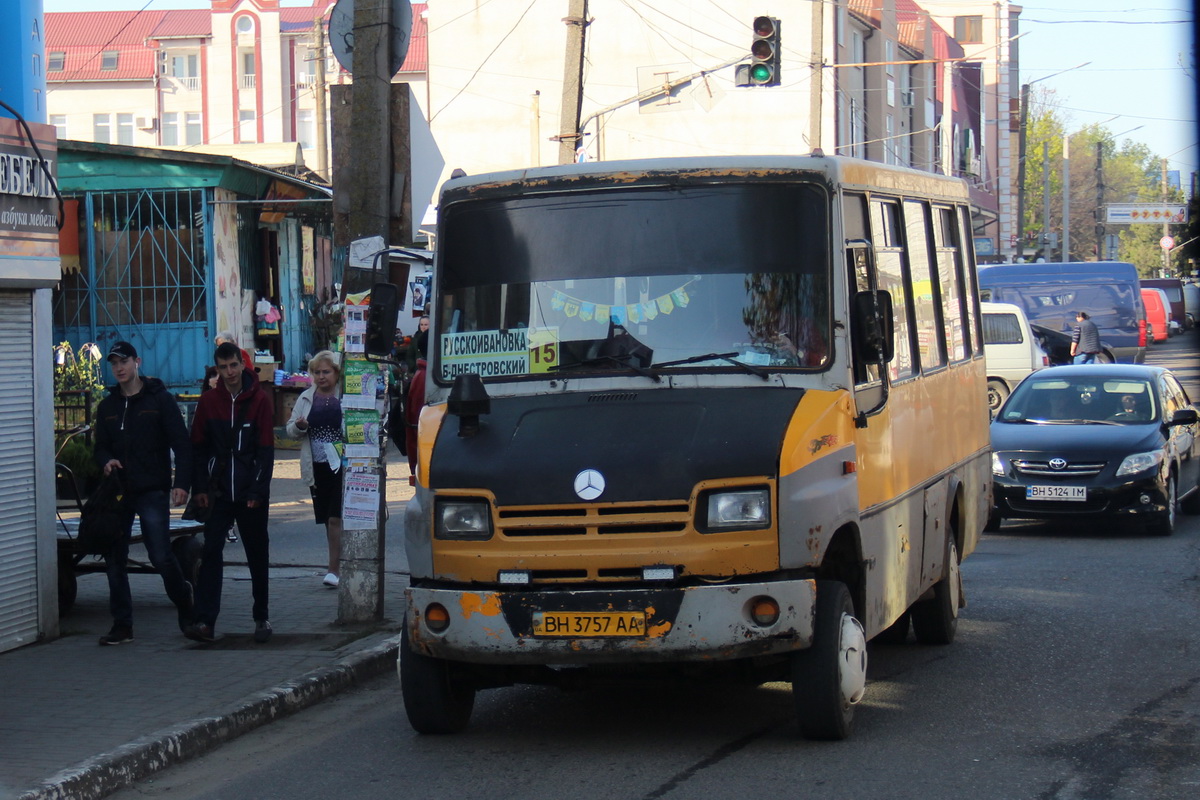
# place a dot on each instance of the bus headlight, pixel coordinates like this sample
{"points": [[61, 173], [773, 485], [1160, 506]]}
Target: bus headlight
{"points": [[469, 520], [741, 509], [1140, 462]]}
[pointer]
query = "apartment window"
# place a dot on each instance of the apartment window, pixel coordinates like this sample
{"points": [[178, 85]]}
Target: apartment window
{"points": [[889, 141], [248, 70], [124, 128], [968, 29], [56, 62], [101, 128], [305, 133], [193, 133], [247, 131], [891, 91], [108, 59], [170, 128], [59, 121], [186, 69]]}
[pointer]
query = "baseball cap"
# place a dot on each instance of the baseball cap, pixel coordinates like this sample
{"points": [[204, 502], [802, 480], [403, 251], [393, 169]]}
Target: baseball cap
{"points": [[121, 350]]}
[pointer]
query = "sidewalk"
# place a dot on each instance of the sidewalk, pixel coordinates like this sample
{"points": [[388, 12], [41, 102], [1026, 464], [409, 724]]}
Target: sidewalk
{"points": [[78, 720]]}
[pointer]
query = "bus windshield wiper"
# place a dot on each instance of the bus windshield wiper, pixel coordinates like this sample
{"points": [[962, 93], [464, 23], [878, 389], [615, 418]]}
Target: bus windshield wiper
{"points": [[728, 357], [620, 361]]}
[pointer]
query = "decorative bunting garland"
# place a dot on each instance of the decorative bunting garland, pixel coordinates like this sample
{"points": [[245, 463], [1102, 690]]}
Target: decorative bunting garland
{"points": [[620, 315]]}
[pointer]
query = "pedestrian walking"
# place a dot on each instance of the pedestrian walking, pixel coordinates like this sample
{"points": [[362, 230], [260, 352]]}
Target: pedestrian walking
{"points": [[211, 379], [1085, 341], [233, 441], [415, 401], [227, 336], [316, 422], [138, 428]]}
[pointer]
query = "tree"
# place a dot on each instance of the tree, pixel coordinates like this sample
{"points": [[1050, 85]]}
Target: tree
{"points": [[1130, 174]]}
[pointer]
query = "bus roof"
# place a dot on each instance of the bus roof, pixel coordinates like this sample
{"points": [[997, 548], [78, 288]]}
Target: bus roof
{"points": [[837, 169]]}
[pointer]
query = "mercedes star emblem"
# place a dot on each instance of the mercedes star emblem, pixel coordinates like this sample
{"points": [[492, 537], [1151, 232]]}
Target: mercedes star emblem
{"points": [[589, 484]]}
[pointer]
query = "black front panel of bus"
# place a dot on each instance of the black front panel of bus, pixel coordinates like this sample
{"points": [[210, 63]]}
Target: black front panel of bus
{"points": [[651, 445]]}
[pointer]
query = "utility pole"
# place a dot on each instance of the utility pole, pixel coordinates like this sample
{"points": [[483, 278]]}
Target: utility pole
{"points": [[1166, 230], [360, 591], [1101, 255], [569, 136], [1066, 235], [319, 95], [1021, 171], [1046, 199], [816, 92]]}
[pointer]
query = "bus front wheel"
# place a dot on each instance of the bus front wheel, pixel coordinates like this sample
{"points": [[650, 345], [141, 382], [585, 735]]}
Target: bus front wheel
{"points": [[434, 699], [830, 677]]}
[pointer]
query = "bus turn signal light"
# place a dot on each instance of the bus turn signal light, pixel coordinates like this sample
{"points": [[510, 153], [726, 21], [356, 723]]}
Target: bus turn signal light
{"points": [[437, 618], [764, 611]]}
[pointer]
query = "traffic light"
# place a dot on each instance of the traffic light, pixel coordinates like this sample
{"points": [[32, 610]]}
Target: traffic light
{"points": [[764, 52]]}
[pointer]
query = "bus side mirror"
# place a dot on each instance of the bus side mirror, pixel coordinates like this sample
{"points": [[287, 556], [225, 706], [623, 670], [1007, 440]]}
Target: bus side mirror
{"points": [[381, 319], [468, 400], [874, 332]]}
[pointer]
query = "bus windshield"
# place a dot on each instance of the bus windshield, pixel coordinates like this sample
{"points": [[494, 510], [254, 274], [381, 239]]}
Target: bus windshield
{"points": [[733, 277]]}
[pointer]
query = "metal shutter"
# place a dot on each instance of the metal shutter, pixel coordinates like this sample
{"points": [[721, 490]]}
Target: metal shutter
{"points": [[18, 502]]}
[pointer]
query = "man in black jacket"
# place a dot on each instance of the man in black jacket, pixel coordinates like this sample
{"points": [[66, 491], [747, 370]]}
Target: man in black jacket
{"points": [[233, 439], [138, 427]]}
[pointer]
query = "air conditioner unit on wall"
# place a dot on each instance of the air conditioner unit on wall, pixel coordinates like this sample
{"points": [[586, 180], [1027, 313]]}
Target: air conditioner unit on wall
{"points": [[147, 123], [906, 98]]}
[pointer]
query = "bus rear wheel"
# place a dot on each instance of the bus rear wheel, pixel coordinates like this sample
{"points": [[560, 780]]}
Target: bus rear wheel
{"points": [[830, 677], [434, 699], [935, 620]]}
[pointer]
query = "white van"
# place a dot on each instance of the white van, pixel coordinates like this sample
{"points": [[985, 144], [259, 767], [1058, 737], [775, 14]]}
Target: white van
{"points": [[1009, 348]]}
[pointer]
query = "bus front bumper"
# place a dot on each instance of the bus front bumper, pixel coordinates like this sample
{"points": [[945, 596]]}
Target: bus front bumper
{"points": [[700, 623]]}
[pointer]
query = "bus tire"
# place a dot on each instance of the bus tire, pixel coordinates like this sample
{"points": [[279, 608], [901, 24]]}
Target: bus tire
{"points": [[829, 677], [935, 620], [434, 700]]}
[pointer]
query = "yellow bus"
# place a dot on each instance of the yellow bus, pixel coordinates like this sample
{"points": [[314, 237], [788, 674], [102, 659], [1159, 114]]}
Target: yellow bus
{"points": [[728, 413]]}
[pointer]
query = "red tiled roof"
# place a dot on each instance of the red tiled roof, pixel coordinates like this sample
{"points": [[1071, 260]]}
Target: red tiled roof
{"points": [[81, 35]]}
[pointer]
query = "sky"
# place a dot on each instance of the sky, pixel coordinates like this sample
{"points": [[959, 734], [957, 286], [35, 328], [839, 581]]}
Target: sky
{"points": [[1140, 82]]}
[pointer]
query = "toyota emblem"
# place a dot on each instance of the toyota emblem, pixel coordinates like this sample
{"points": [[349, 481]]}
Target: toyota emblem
{"points": [[1058, 463], [589, 484]]}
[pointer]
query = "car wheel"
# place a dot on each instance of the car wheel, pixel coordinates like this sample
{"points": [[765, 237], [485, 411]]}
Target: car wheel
{"points": [[997, 393], [830, 676], [935, 620], [435, 700], [1165, 526]]}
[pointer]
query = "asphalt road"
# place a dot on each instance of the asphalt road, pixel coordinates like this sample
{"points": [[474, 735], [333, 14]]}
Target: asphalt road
{"points": [[1075, 676]]}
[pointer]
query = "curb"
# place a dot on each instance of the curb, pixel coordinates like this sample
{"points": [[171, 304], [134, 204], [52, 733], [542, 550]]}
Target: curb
{"points": [[116, 769]]}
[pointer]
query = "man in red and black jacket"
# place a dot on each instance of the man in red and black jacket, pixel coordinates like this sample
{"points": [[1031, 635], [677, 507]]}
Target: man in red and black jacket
{"points": [[233, 445]]}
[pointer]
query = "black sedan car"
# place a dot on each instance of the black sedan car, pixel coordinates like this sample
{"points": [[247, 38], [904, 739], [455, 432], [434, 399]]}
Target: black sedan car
{"points": [[1108, 441]]}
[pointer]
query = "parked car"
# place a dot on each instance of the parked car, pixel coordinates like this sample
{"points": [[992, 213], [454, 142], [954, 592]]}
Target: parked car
{"points": [[1191, 305], [1173, 292], [1010, 348], [1156, 315], [1115, 442], [1051, 293]]}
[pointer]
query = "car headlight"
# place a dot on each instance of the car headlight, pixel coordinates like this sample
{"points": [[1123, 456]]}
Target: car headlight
{"points": [[742, 509], [469, 520], [998, 465], [1140, 462]]}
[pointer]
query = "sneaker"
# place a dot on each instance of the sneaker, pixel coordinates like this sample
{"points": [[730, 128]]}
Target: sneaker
{"points": [[262, 631], [200, 632], [231, 536], [331, 580], [185, 611], [118, 635]]}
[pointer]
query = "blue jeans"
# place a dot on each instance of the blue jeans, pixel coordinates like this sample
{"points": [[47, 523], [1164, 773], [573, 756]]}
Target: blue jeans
{"points": [[1085, 358], [252, 527], [152, 508]]}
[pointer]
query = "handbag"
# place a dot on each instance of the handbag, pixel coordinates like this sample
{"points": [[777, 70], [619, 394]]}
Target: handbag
{"points": [[102, 520]]}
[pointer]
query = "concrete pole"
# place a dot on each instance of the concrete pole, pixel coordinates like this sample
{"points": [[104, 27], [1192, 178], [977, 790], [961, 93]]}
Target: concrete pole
{"points": [[948, 118], [319, 95], [1101, 254], [1066, 237], [1046, 198], [1022, 134], [816, 83], [569, 135], [360, 591], [1166, 231]]}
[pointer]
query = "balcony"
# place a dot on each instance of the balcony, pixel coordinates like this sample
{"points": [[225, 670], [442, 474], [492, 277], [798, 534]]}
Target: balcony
{"points": [[247, 82]]}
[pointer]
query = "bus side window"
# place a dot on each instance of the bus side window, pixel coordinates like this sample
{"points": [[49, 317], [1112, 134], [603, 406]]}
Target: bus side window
{"points": [[954, 293], [926, 293], [966, 263], [889, 262], [859, 277]]}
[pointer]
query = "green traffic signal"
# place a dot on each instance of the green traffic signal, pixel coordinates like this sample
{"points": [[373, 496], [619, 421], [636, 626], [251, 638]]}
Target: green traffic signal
{"points": [[760, 73]]}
